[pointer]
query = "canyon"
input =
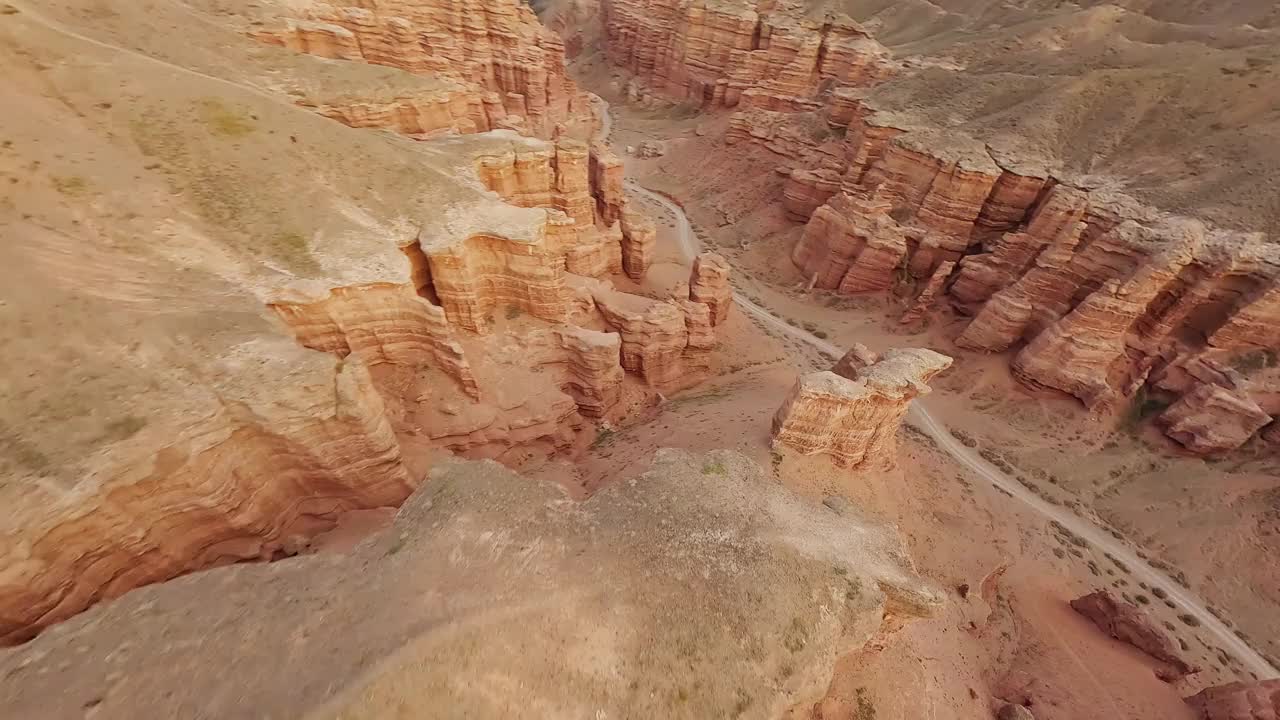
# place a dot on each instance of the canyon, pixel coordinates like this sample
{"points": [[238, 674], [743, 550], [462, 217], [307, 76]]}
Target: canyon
{"points": [[420, 340], [378, 335], [1100, 292]]}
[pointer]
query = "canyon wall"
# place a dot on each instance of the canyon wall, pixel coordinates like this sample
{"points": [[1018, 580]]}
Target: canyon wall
{"points": [[333, 443], [305, 316], [854, 418], [1094, 291], [261, 474], [731, 55], [511, 68]]}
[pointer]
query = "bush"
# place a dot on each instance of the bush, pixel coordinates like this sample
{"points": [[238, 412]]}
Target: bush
{"points": [[1255, 360]]}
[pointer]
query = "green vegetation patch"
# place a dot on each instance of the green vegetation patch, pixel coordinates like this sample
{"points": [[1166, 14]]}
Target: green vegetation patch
{"points": [[714, 468], [72, 185], [223, 120]]}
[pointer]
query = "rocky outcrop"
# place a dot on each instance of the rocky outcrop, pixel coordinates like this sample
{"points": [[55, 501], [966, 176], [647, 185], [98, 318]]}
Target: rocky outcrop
{"points": [[666, 342], [1013, 711], [607, 178], [807, 190], [1018, 279], [724, 55], [928, 296], [856, 421], [1212, 419], [709, 285], [851, 245], [639, 238], [262, 473], [509, 559], [456, 109], [1128, 624], [470, 262], [497, 47], [851, 364], [1099, 292], [379, 323], [1238, 701], [589, 361]]}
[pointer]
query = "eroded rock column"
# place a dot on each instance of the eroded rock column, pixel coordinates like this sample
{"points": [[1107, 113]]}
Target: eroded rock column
{"points": [[855, 419]]}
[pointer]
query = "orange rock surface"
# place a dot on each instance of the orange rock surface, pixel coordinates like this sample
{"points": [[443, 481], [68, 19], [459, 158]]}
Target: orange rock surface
{"points": [[855, 421], [728, 55], [1212, 419], [1238, 701], [497, 47], [709, 285], [342, 330], [263, 472], [1128, 624]]}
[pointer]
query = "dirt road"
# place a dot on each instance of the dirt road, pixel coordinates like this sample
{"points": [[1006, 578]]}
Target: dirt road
{"points": [[923, 420]]}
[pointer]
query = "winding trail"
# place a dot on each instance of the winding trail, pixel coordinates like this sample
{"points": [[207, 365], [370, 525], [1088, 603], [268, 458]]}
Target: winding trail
{"points": [[921, 418]]}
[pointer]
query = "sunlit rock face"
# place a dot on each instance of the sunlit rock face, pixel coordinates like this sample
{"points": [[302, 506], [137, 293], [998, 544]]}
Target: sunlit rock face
{"points": [[854, 418]]}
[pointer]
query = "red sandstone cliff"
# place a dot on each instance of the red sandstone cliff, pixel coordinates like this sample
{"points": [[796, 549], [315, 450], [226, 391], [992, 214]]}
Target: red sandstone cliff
{"points": [[855, 417], [724, 55], [1094, 292], [497, 65], [305, 338]]}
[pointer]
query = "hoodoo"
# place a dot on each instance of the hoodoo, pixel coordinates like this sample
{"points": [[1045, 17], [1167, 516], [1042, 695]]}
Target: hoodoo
{"points": [[855, 419]]}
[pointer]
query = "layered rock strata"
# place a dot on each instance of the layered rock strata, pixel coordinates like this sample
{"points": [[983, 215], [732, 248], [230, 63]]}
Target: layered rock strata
{"points": [[726, 55], [497, 47], [1212, 419], [1094, 291], [666, 342], [855, 420], [256, 347], [379, 323], [928, 296], [264, 472], [621, 560], [709, 285], [453, 109], [471, 263], [1128, 624], [1238, 701], [639, 239]]}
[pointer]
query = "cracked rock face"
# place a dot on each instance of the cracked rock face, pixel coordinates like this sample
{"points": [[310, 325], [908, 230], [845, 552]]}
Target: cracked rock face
{"points": [[855, 418], [733, 55], [1212, 419], [710, 592], [1128, 624], [1238, 701], [508, 69]]}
